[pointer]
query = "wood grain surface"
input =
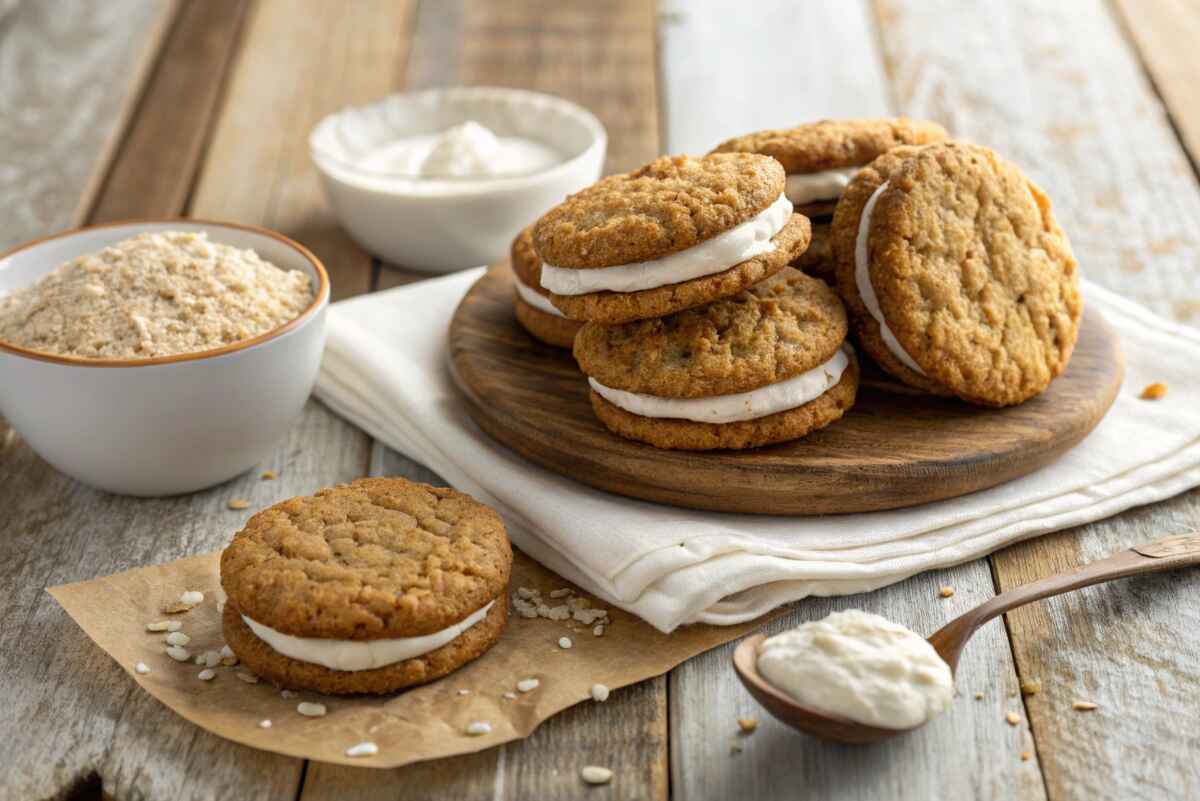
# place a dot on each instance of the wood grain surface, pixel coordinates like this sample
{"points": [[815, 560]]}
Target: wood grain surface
{"points": [[893, 448]]}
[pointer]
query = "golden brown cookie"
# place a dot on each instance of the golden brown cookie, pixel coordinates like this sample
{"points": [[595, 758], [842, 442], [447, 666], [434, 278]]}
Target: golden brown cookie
{"points": [[763, 366], [676, 233], [972, 275], [814, 149], [548, 326], [817, 260], [379, 559]]}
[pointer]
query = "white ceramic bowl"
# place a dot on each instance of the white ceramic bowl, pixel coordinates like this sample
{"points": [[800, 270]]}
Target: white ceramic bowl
{"points": [[444, 224], [167, 425]]}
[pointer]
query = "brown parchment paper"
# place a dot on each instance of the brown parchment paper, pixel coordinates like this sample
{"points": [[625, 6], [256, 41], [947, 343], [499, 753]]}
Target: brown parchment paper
{"points": [[423, 723]]}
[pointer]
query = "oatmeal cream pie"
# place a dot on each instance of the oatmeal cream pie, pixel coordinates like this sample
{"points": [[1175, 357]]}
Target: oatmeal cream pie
{"points": [[767, 365], [366, 587], [955, 274], [820, 158], [677, 233], [534, 311]]}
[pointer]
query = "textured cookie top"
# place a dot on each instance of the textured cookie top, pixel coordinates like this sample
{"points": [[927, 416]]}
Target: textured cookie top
{"points": [[669, 205], [830, 144], [525, 262], [973, 274], [374, 559], [778, 328]]}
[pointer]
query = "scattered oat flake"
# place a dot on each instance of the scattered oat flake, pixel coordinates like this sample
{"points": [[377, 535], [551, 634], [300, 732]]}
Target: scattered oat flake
{"points": [[249, 678], [1084, 706], [527, 685], [479, 727], [191, 597], [747, 725], [238, 503], [1031, 686], [362, 749], [1026, 755], [978, 696], [1155, 391], [226, 652], [178, 653], [594, 774], [599, 693], [464, 692], [564, 642], [178, 638], [175, 608], [1013, 718], [211, 659], [269, 475], [264, 724], [510, 695], [286, 694], [208, 674], [598, 631], [309, 709], [561, 593], [164, 625], [946, 592], [142, 668]]}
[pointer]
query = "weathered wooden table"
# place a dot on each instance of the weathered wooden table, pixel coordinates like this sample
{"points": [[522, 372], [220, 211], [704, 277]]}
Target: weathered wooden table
{"points": [[133, 108]]}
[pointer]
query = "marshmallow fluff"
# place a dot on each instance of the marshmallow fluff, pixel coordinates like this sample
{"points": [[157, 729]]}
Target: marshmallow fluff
{"points": [[360, 654], [537, 300], [812, 187], [860, 667], [771, 399], [469, 150], [862, 280], [738, 244]]}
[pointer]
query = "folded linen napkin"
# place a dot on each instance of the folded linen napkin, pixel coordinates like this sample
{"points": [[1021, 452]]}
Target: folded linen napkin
{"points": [[385, 369]]}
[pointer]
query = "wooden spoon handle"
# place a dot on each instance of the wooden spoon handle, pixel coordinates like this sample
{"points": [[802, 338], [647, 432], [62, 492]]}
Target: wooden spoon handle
{"points": [[1165, 554]]}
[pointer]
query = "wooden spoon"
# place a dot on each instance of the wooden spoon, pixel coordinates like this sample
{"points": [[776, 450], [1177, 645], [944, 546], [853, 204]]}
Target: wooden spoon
{"points": [[1165, 554]]}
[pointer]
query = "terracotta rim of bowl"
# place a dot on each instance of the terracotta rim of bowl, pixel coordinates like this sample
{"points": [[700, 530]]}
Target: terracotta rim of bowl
{"points": [[320, 297]]}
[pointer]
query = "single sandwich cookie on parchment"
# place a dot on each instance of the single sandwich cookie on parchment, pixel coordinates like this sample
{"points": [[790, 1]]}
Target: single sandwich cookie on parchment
{"points": [[767, 365], [677, 233], [531, 302], [366, 587], [956, 275]]}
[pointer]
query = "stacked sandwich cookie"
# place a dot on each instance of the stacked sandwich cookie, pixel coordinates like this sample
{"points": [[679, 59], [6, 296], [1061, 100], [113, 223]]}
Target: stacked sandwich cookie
{"points": [[956, 276], [767, 365], [366, 587], [531, 302], [820, 158], [677, 233]]}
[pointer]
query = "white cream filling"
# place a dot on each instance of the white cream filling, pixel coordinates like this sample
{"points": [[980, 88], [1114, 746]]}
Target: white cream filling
{"points": [[537, 300], [862, 279], [360, 654], [813, 186], [771, 399], [751, 238]]}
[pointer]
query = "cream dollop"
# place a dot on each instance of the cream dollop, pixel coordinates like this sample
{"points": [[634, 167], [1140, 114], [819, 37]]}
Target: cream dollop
{"points": [[771, 399], [862, 280], [469, 150], [751, 238], [360, 654], [861, 667]]}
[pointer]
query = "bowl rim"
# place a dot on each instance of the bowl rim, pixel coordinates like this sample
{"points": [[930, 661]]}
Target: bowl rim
{"points": [[320, 296], [418, 185]]}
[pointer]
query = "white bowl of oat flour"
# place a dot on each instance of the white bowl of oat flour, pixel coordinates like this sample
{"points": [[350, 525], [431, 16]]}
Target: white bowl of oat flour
{"points": [[156, 358]]}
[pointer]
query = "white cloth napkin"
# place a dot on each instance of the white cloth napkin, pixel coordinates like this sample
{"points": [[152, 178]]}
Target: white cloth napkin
{"points": [[385, 370]]}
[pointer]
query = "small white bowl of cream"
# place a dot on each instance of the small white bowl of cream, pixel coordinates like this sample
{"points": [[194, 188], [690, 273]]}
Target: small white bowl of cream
{"points": [[443, 179]]}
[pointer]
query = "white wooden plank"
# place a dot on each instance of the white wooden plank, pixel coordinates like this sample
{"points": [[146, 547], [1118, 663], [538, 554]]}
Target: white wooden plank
{"points": [[804, 62], [1056, 88], [70, 73]]}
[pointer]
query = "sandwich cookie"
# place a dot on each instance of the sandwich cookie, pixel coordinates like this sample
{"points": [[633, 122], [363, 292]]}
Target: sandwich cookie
{"points": [[531, 302], [677, 233], [956, 276], [820, 158], [764, 366], [366, 587]]}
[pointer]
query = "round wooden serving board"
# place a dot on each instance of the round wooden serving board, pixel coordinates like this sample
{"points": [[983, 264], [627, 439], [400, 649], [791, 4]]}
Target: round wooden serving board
{"points": [[895, 448]]}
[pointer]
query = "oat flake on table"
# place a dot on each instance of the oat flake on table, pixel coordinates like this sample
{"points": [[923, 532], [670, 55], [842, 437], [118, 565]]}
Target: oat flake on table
{"points": [[155, 294]]}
